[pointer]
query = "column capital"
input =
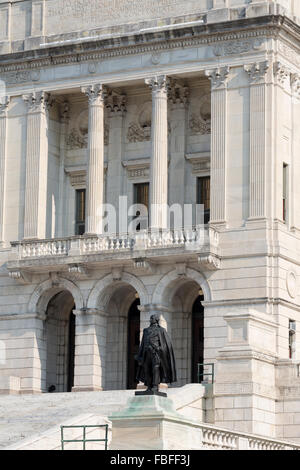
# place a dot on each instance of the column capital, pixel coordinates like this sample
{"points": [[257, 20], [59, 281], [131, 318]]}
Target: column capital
{"points": [[178, 93], [116, 103], [281, 73], [65, 112], [158, 83], [4, 102], [38, 101], [96, 93], [218, 77], [257, 71], [295, 84]]}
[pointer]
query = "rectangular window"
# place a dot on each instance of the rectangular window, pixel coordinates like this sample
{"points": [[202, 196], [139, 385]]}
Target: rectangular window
{"points": [[80, 212], [141, 196], [203, 196], [284, 192]]}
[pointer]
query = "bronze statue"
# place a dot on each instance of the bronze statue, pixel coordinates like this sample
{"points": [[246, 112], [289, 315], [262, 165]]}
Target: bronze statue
{"points": [[155, 358]]}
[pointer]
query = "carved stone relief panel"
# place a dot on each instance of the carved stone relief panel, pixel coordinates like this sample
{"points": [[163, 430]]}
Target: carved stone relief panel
{"points": [[200, 116], [78, 135], [140, 130]]}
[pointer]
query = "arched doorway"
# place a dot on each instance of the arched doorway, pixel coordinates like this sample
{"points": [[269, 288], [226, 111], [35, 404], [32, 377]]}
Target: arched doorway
{"points": [[133, 342], [197, 338], [60, 343]]}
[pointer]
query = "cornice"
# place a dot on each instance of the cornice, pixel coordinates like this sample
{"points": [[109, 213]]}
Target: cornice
{"points": [[237, 30]]}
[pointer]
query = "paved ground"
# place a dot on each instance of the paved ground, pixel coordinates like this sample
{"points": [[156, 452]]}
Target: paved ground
{"points": [[26, 415]]}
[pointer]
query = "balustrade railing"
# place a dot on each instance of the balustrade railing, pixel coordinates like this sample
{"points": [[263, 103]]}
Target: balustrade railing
{"points": [[194, 238]]}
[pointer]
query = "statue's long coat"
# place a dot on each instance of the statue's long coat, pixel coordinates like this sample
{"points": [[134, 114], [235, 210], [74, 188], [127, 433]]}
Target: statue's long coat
{"points": [[167, 359]]}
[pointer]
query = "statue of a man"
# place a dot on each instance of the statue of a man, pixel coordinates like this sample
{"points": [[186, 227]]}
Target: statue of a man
{"points": [[155, 357]]}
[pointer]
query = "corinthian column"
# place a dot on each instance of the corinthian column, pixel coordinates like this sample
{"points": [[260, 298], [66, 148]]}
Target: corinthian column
{"points": [[218, 78], [3, 132], [257, 184], [159, 158], [95, 169], [36, 165]]}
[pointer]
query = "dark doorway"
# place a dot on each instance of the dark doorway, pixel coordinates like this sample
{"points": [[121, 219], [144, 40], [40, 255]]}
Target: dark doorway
{"points": [[133, 343], [197, 338], [71, 351]]}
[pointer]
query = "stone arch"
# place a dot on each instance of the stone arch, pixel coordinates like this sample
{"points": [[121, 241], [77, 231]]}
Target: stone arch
{"points": [[103, 289], [45, 291], [170, 283]]}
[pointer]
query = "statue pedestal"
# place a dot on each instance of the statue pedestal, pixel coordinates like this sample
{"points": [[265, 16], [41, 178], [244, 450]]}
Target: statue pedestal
{"points": [[151, 422]]}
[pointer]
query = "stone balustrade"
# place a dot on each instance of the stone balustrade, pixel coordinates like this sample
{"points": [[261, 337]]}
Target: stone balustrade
{"points": [[214, 438], [194, 239]]}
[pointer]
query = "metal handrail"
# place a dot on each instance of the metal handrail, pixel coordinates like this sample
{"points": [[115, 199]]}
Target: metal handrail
{"points": [[84, 440]]}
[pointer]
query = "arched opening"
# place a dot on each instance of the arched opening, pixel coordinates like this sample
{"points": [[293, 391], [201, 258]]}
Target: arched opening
{"points": [[122, 339], [133, 342], [197, 338], [60, 342]]}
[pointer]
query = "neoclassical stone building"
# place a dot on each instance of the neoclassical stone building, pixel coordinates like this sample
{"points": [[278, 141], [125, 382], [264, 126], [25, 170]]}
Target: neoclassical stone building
{"points": [[162, 102]]}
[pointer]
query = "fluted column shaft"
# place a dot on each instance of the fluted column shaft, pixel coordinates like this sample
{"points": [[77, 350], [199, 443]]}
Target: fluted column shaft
{"points": [[219, 120], [257, 183], [36, 165], [159, 157], [3, 147], [62, 147], [95, 168]]}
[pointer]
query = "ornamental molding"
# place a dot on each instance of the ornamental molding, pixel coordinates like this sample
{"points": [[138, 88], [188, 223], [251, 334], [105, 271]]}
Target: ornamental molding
{"points": [[155, 47], [137, 168], [209, 262], [257, 72], [200, 163]]}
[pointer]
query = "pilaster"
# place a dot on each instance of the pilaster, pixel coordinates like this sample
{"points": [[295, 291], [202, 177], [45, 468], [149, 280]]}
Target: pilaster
{"points": [[64, 121], [257, 184], [3, 148], [179, 99], [295, 174], [218, 78], [159, 158], [116, 107], [95, 155], [36, 165]]}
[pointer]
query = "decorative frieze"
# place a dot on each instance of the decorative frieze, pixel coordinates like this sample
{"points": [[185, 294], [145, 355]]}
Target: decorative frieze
{"points": [[238, 47]]}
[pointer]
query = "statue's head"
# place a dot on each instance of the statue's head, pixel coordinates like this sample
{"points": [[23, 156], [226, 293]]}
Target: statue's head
{"points": [[154, 319]]}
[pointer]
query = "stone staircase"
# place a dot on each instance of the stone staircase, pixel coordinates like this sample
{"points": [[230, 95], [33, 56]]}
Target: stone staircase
{"points": [[33, 421]]}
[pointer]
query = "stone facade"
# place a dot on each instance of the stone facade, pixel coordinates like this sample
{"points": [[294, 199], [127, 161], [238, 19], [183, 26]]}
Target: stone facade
{"points": [[174, 93]]}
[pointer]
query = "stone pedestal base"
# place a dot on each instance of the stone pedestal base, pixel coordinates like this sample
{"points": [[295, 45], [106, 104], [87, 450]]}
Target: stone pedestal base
{"points": [[151, 422]]}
